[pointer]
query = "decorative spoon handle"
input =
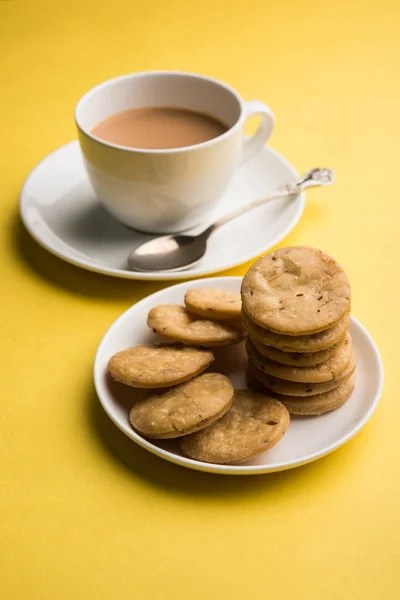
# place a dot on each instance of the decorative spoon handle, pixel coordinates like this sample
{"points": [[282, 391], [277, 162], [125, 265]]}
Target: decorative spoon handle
{"points": [[313, 178]]}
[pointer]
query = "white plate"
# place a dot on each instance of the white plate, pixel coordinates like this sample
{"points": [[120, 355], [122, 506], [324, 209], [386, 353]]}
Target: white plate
{"points": [[307, 439], [62, 213]]}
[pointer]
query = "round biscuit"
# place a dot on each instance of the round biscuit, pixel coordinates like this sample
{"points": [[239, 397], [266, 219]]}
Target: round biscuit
{"points": [[185, 408], [216, 305], [177, 323], [296, 290], [158, 365], [255, 423]]}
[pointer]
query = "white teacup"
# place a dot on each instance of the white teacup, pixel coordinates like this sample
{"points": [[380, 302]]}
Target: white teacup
{"points": [[165, 191]]}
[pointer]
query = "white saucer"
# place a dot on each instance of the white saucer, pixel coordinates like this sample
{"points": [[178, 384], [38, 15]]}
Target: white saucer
{"points": [[307, 439], [62, 213]]}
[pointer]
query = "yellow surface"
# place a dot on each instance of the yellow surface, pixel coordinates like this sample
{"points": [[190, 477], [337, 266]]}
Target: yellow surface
{"points": [[86, 514]]}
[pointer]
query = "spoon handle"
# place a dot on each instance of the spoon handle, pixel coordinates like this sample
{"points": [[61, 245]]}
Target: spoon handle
{"points": [[244, 209], [313, 178]]}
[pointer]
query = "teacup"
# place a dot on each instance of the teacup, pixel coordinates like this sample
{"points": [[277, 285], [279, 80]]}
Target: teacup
{"points": [[167, 190]]}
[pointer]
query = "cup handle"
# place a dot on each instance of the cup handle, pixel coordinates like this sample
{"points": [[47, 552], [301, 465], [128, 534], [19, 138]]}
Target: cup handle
{"points": [[263, 133]]}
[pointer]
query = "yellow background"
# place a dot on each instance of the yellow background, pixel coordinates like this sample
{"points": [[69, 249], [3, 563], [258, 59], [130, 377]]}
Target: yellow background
{"points": [[84, 512]]}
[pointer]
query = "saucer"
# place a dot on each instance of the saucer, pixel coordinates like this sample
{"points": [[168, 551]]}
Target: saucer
{"points": [[61, 212], [307, 439]]}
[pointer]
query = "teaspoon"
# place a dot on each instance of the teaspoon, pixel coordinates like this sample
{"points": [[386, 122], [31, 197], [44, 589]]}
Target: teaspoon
{"points": [[180, 251]]}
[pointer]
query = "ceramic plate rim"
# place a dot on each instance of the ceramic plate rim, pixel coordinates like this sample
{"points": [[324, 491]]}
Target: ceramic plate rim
{"points": [[229, 469], [147, 276]]}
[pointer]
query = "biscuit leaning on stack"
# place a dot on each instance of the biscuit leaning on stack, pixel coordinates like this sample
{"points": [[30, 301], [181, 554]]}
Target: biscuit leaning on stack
{"points": [[210, 318], [296, 311]]}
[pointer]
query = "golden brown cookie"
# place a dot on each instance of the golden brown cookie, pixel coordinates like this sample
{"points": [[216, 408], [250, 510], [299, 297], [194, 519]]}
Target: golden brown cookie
{"points": [[295, 388], [213, 304], [302, 343], [297, 359], [255, 423], [184, 408], [296, 290], [178, 324], [321, 403], [326, 371], [158, 365]]}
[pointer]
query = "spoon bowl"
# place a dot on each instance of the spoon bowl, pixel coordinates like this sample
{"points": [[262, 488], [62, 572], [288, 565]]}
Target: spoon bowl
{"points": [[173, 252]]}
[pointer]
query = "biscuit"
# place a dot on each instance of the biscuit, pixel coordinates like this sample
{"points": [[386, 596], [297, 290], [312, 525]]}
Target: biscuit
{"points": [[255, 423], [212, 304], [302, 343], [296, 359], [295, 388], [178, 324], [158, 365], [320, 403], [326, 371], [184, 408], [296, 290]]}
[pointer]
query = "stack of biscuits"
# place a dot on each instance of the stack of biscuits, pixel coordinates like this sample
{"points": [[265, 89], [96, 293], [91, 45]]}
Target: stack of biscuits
{"points": [[296, 311]]}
